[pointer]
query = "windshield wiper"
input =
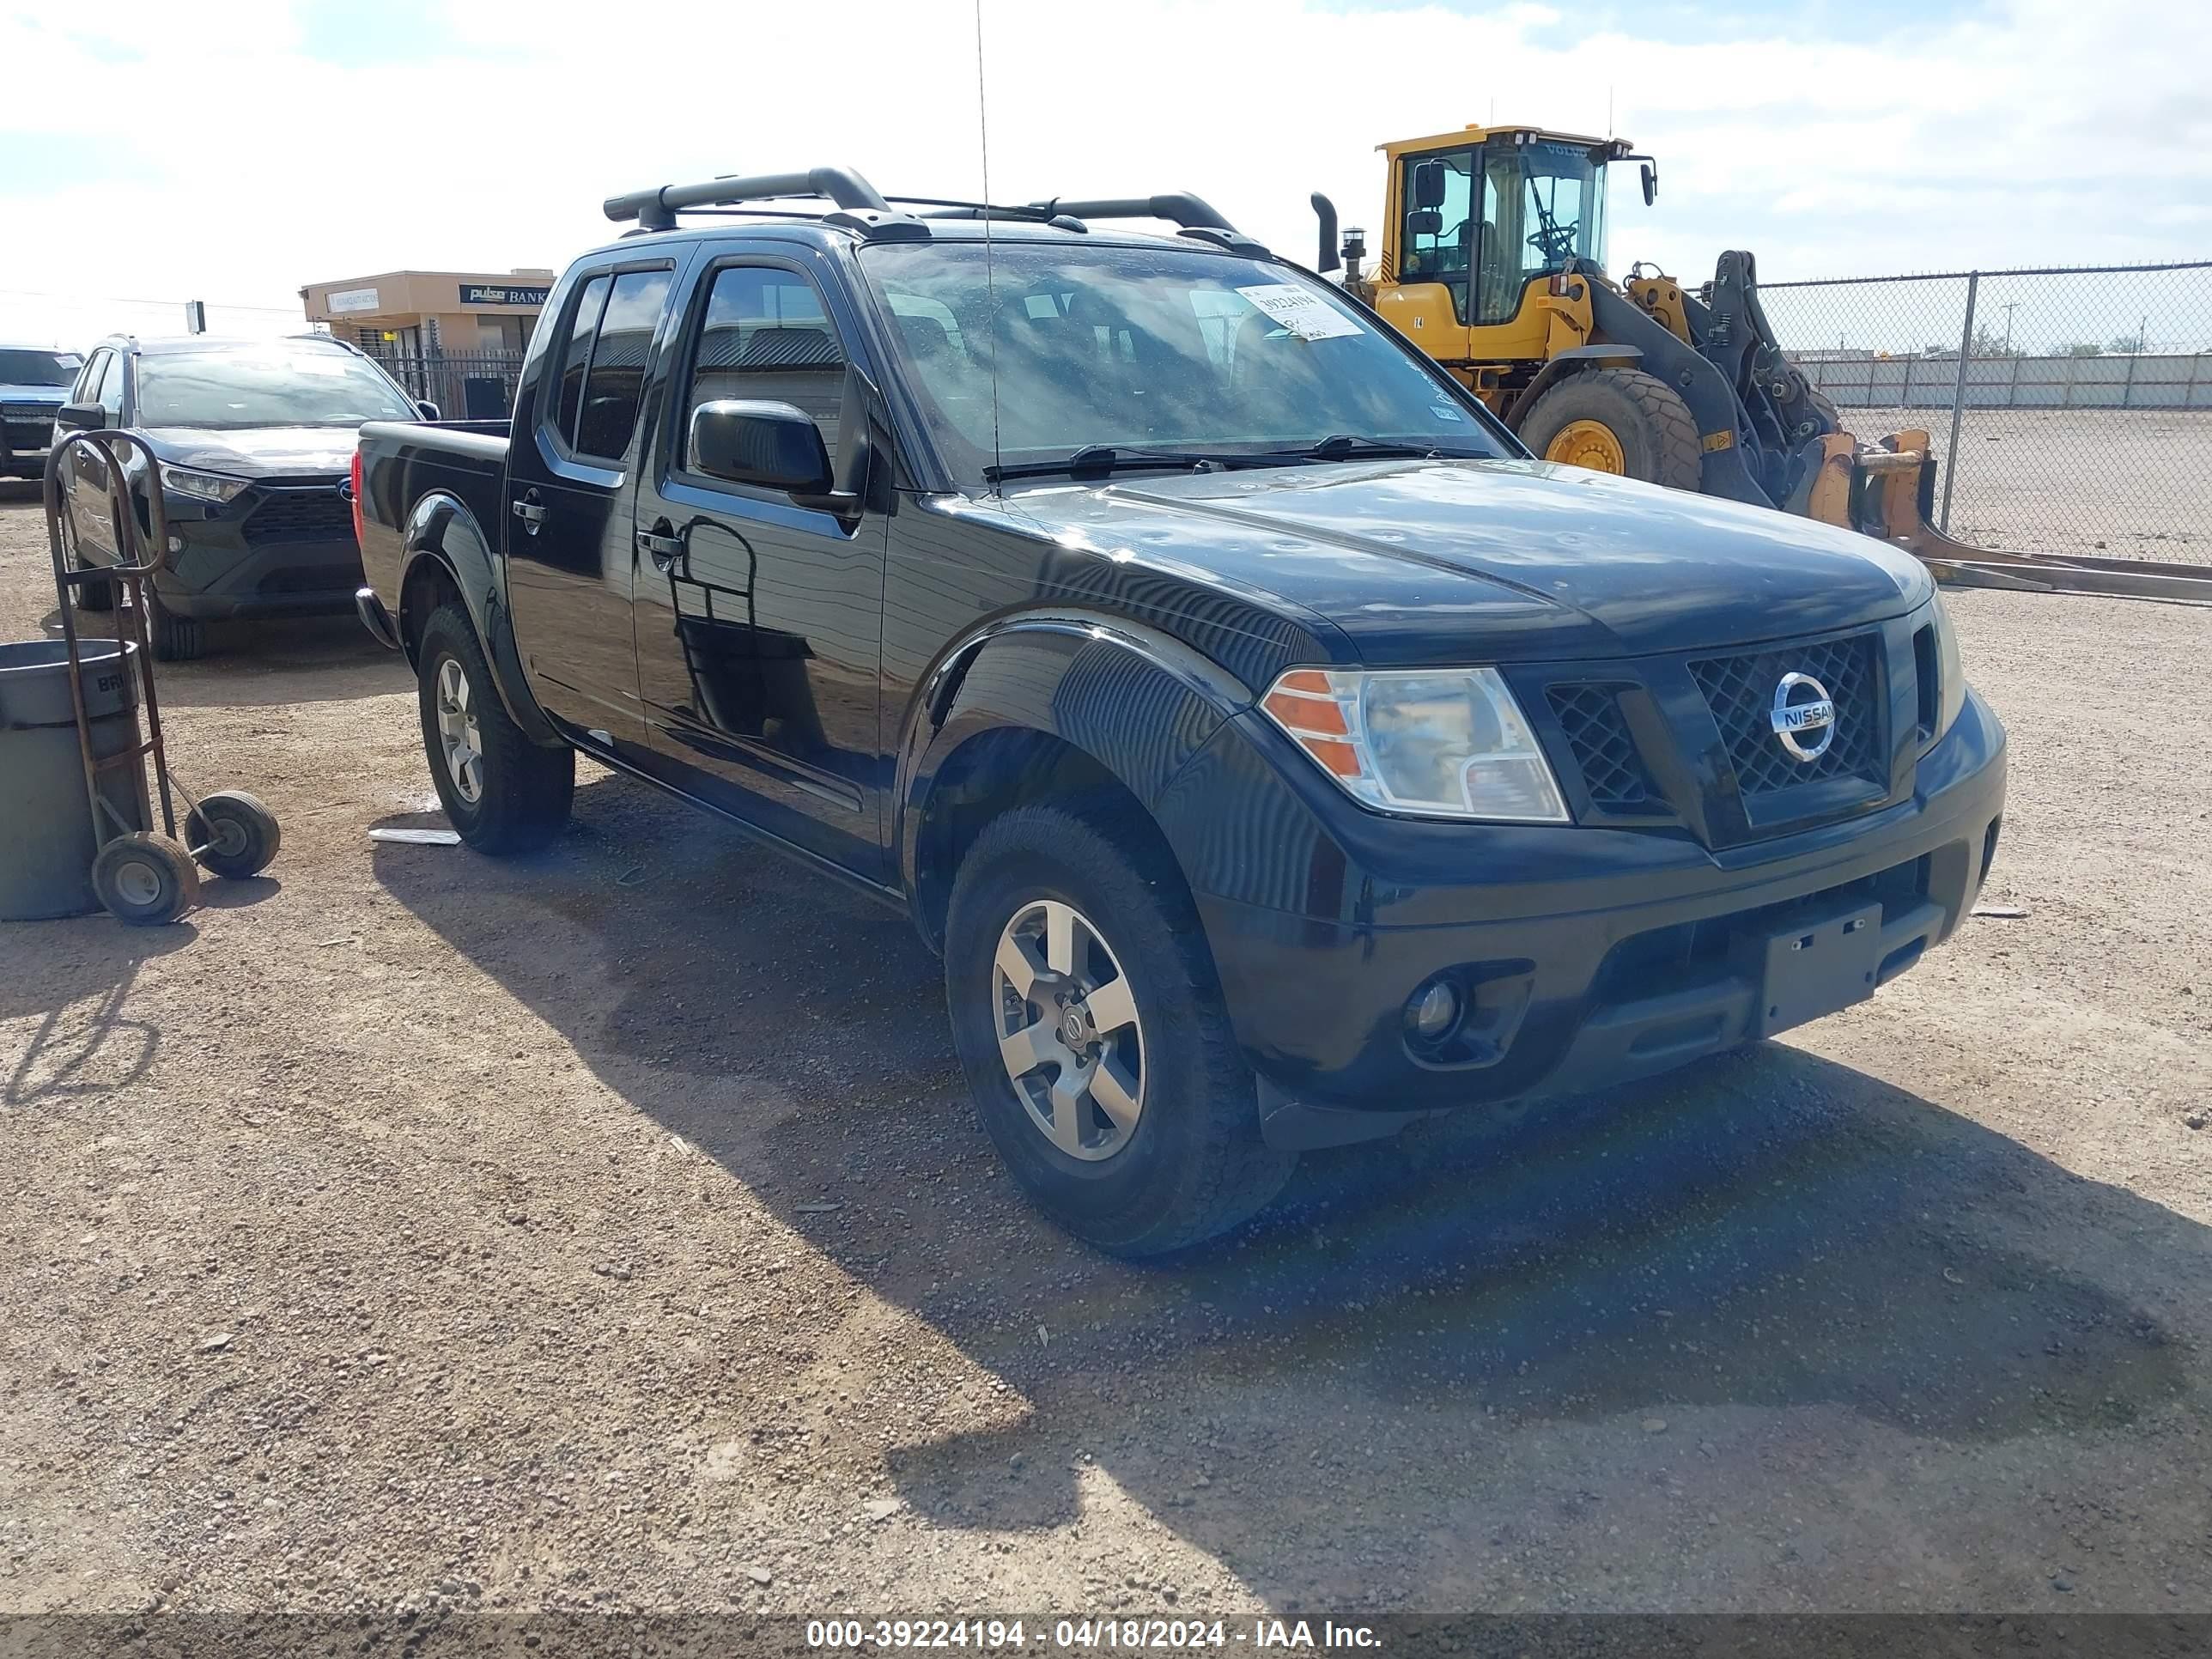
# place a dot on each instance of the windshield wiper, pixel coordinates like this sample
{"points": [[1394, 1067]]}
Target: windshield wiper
{"points": [[1344, 447], [1109, 457]]}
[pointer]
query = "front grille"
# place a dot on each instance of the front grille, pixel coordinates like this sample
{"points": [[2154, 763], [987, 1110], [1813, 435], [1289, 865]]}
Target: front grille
{"points": [[1598, 738], [28, 427], [301, 515], [1741, 692]]}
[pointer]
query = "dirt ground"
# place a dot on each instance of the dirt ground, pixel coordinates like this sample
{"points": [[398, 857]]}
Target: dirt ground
{"points": [[609, 1229]]}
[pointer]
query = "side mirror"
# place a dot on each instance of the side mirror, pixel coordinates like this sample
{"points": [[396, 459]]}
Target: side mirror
{"points": [[1650, 184], [1427, 222], [770, 445], [1428, 184], [81, 417], [428, 410]]}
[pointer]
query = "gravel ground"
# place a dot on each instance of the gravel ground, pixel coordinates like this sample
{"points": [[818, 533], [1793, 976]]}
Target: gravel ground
{"points": [[608, 1230], [2116, 483]]}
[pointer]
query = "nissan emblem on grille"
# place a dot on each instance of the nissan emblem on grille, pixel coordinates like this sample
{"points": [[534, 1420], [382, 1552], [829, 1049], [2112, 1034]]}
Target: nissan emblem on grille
{"points": [[1803, 711]]}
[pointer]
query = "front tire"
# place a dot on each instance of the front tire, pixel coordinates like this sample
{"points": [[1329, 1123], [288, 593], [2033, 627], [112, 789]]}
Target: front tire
{"points": [[1617, 420], [501, 792], [175, 639], [1090, 1023], [145, 879]]}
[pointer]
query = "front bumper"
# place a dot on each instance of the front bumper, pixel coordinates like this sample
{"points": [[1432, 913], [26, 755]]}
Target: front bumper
{"points": [[1585, 956], [276, 551]]}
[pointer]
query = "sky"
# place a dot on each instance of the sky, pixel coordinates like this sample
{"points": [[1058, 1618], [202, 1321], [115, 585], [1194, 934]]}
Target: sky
{"points": [[235, 150]]}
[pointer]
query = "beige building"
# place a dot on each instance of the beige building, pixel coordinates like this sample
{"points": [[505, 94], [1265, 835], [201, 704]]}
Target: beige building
{"points": [[432, 313]]}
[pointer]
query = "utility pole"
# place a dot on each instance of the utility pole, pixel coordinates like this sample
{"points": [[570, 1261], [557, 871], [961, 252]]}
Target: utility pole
{"points": [[2009, 310]]}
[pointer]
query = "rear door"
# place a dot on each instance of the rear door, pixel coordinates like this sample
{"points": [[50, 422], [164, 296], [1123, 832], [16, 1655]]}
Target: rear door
{"points": [[570, 482], [760, 622]]}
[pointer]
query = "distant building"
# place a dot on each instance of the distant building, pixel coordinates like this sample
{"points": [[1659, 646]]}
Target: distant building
{"points": [[433, 314]]}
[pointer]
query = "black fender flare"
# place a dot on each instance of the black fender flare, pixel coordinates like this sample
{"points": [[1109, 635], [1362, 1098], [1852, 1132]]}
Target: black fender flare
{"points": [[1573, 359], [1138, 702], [441, 529]]}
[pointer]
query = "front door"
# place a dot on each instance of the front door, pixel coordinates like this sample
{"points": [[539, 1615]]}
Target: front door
{"points": [[760, 622], [570, 483], [92, 512]]}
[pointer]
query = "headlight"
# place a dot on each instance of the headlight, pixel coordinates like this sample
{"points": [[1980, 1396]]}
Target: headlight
{"points": [[1950, 674], [1446, 743], [201, 486]]}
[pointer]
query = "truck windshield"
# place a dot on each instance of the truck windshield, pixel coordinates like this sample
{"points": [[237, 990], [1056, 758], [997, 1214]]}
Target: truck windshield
{"points": [[1155, 349], [275, 385], [21, 367]]}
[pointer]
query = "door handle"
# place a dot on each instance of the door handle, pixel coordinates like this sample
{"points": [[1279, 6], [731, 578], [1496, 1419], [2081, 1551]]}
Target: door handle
{"points": [[663, 549], [527, 509]]}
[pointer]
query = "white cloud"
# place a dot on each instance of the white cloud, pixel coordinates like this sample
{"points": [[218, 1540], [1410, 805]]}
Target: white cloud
{"points": [[227, 164]]}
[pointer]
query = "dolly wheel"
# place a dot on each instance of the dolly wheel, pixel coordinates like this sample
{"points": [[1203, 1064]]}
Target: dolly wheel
{"points": [[145, 879], [237, 836]]}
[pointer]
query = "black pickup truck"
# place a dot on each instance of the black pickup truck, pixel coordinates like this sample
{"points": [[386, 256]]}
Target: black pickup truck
{"points": [[1275, 752]]}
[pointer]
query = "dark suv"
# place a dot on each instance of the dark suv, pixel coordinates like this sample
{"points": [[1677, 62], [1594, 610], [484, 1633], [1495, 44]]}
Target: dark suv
{"points": [[255, 439], [1274, 751], [33, 383]]}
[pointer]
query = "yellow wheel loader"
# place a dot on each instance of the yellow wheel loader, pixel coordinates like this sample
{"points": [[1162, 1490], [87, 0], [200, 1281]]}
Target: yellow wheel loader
{"points": [[1493, 262]]}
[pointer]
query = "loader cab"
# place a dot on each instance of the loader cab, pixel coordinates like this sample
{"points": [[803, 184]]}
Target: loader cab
{"points": [[1477, 225]]}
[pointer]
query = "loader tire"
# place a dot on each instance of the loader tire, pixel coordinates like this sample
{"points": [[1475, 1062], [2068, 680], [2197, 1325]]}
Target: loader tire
{"points": [[1617, 420]]}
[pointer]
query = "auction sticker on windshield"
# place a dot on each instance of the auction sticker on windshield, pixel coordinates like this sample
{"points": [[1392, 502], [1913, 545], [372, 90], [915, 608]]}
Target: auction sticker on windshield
{"points": [[1305, 313]]}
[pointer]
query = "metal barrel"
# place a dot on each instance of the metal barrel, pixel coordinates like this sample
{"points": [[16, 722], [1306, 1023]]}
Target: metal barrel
{"points": [[47, 838]]}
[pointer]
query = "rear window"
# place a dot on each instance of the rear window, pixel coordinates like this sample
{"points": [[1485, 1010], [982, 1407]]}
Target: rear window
{"points": [[618, 372], [271, 385]]}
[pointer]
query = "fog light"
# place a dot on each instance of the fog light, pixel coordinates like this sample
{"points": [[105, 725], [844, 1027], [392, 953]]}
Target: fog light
{"points": [[1433, 1012], [176, 543]]}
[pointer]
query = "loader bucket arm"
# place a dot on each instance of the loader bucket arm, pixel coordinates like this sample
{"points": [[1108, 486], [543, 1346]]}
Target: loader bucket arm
{"points": [[1731, 465]]}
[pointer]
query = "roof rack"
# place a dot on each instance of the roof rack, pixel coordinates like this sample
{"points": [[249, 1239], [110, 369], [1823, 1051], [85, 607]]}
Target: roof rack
{"points": [[859, 205], [1195, 216]]}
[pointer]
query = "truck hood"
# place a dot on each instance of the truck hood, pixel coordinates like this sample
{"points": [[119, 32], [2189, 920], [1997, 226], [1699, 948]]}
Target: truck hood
{"points": [[269, 451], [52, 396], [1431, 560]]}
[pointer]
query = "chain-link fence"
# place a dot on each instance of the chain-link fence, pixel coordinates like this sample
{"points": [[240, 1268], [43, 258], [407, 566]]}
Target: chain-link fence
{"points": [[471, 386], [2071, 408]]}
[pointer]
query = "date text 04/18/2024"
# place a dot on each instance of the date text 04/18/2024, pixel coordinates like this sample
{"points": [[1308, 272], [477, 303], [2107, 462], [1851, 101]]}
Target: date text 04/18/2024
{"points": [[1156, 1634]]}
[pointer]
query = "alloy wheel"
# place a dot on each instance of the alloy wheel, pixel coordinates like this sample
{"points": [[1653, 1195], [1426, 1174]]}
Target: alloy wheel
{"points": [[1068, 1032], [458, 734]]}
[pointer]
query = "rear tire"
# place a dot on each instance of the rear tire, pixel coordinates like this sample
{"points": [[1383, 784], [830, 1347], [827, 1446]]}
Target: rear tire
{"points": [[90, 596], [1654, 435], [501, 792], [1188, 1161], [240, 835]]}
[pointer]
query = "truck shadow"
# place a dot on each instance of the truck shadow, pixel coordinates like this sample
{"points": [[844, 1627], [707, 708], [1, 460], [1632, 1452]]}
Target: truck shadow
{"points": [[252, 665], [1773, 1231]]}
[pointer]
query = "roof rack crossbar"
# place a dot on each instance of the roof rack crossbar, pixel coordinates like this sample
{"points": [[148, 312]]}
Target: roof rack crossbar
{"points": [[1177, 208], [656, 209]]}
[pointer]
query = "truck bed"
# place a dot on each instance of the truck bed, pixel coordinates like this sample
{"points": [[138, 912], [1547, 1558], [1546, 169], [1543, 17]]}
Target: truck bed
{"points": [[404, 461]]}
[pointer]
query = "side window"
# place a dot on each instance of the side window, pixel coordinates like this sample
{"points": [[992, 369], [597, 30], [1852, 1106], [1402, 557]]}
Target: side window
{"points": [[766, 337], [616, 379], [111, 387], [1436, 241], [576, 354], [86, 389]]}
